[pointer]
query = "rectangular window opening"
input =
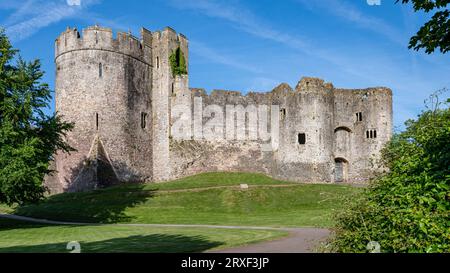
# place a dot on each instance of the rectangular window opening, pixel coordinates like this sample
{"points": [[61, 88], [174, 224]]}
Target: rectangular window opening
{"points": [[302, 138], [359, 116], [282, 113], [100, 70]]}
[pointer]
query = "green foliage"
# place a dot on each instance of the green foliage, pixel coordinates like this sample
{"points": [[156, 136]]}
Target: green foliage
{"points": [[178, 62], [28, 137], [408, 208], [436, 32]]}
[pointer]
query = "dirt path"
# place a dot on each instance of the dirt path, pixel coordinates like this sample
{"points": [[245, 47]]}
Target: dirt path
{"points": [[300, 240]]}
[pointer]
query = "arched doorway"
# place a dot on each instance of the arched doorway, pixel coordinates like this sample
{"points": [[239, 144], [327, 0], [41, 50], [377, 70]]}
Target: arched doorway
{"points": [[340, 170]]}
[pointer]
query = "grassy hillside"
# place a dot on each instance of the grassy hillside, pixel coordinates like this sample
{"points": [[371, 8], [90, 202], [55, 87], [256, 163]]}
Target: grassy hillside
{"points": [[212, 198]]}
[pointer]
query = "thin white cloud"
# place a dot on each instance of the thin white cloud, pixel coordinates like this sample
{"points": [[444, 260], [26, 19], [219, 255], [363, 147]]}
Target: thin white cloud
{"points": [[244, 20], [33, 15]]}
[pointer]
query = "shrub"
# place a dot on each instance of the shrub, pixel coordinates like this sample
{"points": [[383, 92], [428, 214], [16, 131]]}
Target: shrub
{"points": [[408, 208], [178, 62]]}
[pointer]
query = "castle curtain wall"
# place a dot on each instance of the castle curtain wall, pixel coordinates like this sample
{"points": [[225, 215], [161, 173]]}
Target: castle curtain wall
{"points": [[120, 93]]}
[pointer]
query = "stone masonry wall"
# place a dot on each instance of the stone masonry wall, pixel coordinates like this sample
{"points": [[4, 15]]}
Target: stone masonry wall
{"points": [[327, 116], [102, 84]]}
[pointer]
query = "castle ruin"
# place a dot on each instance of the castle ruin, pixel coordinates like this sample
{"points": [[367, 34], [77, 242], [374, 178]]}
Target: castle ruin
{"points": [[120, 92]]}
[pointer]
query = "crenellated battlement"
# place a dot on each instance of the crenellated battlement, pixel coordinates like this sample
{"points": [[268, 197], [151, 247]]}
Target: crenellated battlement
{"points": [[100, 38], [171, 34]]}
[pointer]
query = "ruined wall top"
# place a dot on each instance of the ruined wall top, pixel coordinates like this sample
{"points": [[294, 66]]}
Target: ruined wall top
{"points": [[305, 85]]}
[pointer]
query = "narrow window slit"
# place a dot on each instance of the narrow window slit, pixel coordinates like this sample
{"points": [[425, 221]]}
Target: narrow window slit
{"points": [[143, 120], [96, 121], [283, 113]]}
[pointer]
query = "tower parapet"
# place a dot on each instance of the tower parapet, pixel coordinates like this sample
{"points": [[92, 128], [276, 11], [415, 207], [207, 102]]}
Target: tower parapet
{"points": [[307, 84], [100, 38]]}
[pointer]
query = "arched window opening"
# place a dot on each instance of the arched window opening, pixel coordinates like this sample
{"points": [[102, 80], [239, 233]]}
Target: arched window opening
{"points": [[342, 128]]}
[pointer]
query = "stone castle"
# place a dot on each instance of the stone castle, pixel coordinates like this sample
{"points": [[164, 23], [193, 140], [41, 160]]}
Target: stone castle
{"points": [[119, 92]]}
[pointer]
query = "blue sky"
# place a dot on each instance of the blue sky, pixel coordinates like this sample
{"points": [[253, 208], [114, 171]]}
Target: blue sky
{"points": [[256, 44]]}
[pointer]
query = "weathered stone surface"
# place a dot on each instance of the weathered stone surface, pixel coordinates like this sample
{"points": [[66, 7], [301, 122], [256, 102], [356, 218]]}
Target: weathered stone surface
{"points": [[121, 91]]}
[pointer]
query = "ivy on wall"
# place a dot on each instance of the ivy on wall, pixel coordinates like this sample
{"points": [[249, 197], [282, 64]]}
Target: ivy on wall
{"points": [[178, 62]]}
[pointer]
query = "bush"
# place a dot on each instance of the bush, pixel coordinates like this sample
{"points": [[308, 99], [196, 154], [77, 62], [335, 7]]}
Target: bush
{"points": [[408, 208], [178, 63]]}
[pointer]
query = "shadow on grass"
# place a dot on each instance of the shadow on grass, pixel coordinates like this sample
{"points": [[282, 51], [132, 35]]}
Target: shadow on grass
{"points": [[99, 206], [154, 243]]}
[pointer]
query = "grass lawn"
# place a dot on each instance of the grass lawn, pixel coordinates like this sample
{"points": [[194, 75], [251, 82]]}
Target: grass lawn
{"points": [[192, 201], [211, 198], [21, 237]]}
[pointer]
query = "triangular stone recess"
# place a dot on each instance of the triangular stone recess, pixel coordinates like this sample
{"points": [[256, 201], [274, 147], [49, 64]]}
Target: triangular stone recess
{"points": [[106, 176]]}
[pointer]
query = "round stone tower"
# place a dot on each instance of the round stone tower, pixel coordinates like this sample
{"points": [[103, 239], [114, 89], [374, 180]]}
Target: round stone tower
{"points": [[103, 85], [306, 145]]}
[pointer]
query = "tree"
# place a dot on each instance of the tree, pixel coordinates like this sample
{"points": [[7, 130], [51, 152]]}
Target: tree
{"points": [[436, 32], [28, 137], [408, 208]]}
